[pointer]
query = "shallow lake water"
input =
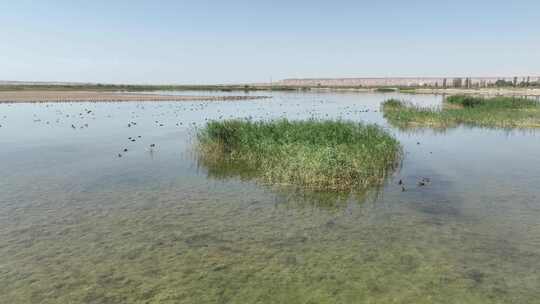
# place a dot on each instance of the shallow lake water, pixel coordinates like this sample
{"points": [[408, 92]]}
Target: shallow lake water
{"points": [[79, 224]]}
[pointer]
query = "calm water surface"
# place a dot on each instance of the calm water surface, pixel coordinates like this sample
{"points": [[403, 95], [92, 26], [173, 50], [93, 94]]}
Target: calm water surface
{"points": [[79, 224]]}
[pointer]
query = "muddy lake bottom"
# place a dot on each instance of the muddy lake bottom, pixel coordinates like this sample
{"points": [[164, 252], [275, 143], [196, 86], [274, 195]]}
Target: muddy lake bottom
{"points": [[80, 224]]}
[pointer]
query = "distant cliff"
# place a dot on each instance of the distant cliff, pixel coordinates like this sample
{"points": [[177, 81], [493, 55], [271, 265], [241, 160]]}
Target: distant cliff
{"points": [[407, 81]]}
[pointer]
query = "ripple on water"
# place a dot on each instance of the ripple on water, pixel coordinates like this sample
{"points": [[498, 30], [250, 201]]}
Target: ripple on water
{"points": [[80, 225]]}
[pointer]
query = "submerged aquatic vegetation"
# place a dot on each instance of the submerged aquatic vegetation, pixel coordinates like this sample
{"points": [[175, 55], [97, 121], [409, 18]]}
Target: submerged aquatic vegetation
{"points": [[313, 154], [499, 112]]}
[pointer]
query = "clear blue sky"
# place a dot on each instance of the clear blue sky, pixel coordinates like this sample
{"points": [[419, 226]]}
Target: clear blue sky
{"points": [[222, 41]]}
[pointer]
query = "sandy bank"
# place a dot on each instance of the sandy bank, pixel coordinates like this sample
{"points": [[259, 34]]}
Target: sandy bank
{"points": [[448, 91], [483, 91], [88, 96]]}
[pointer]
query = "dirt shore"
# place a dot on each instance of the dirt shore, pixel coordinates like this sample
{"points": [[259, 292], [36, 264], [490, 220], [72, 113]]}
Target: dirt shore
{"points": [[450, 91], [483, 91], [88, 96]]}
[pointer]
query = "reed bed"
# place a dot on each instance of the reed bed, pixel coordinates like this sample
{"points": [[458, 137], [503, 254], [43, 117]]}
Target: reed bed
{"points": [[386, 90], [497, 112], [313, 154]]}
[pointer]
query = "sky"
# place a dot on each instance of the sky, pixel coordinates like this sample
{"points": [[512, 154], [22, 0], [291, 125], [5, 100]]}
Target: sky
{"points": [[204, 42]]}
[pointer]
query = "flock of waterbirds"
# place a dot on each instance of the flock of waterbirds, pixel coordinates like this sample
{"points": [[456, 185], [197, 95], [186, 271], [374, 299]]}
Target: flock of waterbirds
{"points": [[84, 117], [81, 119]]}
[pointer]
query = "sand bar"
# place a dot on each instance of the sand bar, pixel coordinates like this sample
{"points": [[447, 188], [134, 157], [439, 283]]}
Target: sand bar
{"points": [[482, 91], [89, 96]]}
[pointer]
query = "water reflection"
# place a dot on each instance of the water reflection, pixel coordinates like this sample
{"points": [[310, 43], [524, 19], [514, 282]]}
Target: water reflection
{"points": [[225, 169]]}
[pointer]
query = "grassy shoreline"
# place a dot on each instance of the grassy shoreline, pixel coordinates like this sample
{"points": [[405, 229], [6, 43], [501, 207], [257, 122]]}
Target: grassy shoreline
{"points": [[502, 91], [143, 88], [315, 155], [499, 112]]}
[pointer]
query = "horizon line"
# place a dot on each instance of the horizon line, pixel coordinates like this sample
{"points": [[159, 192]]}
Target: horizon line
{"points": [[22, 82]]}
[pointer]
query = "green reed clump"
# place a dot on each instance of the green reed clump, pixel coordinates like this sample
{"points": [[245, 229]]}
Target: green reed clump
{"points": [[501, 112], [385, 90], [496, 103], [407, 90], [320, 155]]}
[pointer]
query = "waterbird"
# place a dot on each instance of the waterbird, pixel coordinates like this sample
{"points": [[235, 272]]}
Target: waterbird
{"points": [[424, 181]]}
